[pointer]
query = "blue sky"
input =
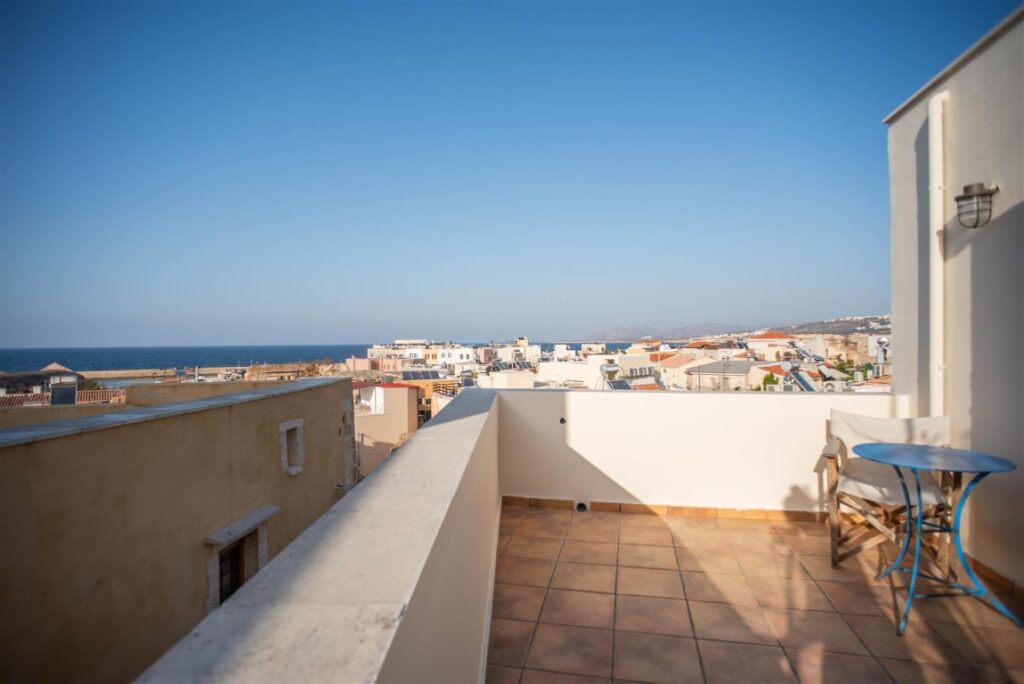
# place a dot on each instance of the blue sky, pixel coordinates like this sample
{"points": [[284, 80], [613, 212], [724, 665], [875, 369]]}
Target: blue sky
{"points": [[257, 173]]}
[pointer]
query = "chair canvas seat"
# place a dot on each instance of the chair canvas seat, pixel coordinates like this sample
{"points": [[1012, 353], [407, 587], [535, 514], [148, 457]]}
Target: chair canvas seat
{"points": [[879, 483]]}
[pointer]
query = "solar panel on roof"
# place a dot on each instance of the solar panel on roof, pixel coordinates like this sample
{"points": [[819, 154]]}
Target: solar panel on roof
{"points": [[619, 384]]}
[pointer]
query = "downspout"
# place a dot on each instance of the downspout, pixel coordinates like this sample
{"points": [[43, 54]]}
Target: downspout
{"points": [[936, 256]]}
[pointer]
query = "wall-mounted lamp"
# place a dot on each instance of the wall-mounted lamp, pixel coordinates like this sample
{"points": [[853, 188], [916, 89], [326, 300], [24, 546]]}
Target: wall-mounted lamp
{"points": [[974, 207]]}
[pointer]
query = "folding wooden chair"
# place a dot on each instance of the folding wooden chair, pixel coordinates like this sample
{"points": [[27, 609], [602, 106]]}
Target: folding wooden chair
{"points": [[866, 506]]}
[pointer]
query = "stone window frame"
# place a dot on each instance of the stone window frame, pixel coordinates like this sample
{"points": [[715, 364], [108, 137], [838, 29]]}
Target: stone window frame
{"points": [[293, 467], [251, 532]]}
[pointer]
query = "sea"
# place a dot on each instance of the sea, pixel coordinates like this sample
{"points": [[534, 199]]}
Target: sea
{"points": [[125, 358]]}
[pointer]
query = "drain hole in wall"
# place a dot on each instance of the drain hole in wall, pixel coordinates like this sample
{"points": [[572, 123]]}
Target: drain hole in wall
{"points": [[582, 507]]}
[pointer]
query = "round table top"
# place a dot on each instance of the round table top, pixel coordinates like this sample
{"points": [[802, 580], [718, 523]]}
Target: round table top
{"points": [[924, 457]]}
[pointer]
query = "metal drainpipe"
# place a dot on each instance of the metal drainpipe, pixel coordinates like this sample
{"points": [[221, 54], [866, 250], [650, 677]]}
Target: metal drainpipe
{"points": [[936, 255]]}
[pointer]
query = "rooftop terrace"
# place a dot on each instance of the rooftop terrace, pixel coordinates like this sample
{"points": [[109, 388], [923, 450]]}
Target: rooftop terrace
{"points": [[650, 598], [421, 574]]}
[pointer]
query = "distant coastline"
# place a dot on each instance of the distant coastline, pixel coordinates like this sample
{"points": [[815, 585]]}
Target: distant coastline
{"points": [[126, 358]]}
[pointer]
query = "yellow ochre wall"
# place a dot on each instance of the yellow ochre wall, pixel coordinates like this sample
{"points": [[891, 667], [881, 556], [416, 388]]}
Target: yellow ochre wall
{"points": [[104, 561]]}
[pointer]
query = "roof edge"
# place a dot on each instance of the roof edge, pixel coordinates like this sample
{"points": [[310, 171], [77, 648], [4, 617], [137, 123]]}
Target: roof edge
{"points": [[999, 29]]}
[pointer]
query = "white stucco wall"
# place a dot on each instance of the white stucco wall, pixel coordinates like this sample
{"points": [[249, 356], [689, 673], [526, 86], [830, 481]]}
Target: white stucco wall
{"points": [[984, 270], [721, 450]]}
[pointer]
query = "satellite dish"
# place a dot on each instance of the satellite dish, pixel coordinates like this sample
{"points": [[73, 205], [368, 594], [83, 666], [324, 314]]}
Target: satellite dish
{"points": [[786, 366]]}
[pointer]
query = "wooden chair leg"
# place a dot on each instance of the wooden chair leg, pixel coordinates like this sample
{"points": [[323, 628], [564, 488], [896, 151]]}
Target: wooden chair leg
{"points": [[834, 517]]}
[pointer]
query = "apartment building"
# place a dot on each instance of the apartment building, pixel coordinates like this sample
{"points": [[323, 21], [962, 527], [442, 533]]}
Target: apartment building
{"points": [[385, 418]]}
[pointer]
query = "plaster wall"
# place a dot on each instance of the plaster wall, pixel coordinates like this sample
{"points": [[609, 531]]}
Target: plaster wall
{"points": [[378, 433], [984, 291], [718, 450], [105, 561]]}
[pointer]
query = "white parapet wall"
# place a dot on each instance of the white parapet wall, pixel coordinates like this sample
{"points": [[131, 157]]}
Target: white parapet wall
{"points": [[392, 584], [738, 450]]}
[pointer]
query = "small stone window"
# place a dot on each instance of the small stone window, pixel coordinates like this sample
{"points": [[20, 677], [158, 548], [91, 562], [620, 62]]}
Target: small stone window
{"points": [[293, 446], [237, 552]]}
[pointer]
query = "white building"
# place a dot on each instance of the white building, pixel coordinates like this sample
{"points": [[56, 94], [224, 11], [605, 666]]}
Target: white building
{"points": [[956, 342], [451, 355]]}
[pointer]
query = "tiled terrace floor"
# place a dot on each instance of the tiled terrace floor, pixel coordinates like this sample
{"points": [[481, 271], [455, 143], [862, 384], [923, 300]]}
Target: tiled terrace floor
{"points": [[591, 597]]}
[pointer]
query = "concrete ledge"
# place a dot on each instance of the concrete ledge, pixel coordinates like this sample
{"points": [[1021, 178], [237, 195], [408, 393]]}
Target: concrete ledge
{"points": [[242, 526], [393, 583]]}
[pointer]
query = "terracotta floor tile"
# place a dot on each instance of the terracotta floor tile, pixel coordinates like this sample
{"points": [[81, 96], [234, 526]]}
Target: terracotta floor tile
{"points": [[575, 551], [734, 589], [726, 663], [703, 541], [702, 560], [503, 540], [517, 602], [745, 524], [507, 526], [523, 571], [652, 615], [965, 610], [858, 570], [656, 658], [541, 677], [510, 640], [574, 650], [604, 516], [800, 528], [984, 646], [584, 577], [859, 599], [514, 512], [682, 522], [728, 622], [636, 556], [746, 542], [536, 548], [910, 672], [809, 546], [814, 666], [795, 594], [555, 515], [771, 565], [651, 536], [578, 608], [642, 520], [595, 530], [919, 642], [550, 529], [650, 582], [499, 674], [810, 629]]}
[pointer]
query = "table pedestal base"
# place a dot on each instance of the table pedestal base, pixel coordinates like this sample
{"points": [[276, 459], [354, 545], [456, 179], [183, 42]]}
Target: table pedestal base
{"points": [[916, 526]]}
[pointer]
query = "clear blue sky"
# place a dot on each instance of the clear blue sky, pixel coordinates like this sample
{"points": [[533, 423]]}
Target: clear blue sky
{"points": [[249, 173]]}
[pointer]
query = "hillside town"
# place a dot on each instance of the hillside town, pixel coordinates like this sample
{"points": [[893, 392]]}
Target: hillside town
{"points": [[398, 387]]}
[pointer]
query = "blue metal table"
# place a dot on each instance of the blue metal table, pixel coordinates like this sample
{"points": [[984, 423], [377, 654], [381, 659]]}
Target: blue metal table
{"points": [[917, 458]]}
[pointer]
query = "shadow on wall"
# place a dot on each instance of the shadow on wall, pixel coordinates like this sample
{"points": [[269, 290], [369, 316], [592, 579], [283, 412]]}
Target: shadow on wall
{"points": [[991, 410]]}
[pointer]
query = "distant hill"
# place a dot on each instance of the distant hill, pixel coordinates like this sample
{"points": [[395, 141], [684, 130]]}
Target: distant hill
{"points": [[631, 333], [879, 325], [836, 326]]}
